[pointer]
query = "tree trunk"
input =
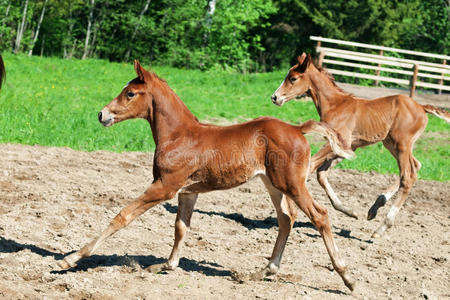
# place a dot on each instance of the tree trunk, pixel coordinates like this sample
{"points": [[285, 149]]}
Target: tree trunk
{"points": [[6, 15], [94, 39], [67, 39], [20, 28], [97, 23], [37, 29], [42, 45], [72, 51], [209, 20], [127, 55], [88, 31]]}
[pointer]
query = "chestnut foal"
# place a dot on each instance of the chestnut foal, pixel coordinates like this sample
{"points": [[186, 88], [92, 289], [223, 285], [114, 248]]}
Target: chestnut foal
{"points": [[397, 121], [192, 158]]}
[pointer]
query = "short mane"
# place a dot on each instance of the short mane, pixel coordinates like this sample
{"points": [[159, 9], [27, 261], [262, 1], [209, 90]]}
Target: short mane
{"points": [[333, 81], [157, 77], [164, 84]]}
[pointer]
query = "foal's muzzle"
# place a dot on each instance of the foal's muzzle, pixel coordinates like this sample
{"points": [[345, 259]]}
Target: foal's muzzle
{"points": [[106, 118], [276, 100]]}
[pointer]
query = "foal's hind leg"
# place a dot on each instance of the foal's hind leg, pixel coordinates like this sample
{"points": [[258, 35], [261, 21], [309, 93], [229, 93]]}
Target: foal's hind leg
{"points": [[286, 214], [409, 166], [322, 177], [392, 190], [320, 157], [382, 199], [186, 204], [319, 217]]}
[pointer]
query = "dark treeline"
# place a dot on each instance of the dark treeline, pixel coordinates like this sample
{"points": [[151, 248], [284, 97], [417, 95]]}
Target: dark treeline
{"points": [[257, 35]]}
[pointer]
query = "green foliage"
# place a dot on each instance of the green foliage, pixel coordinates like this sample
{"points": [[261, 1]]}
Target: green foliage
{"points": [[54, 102], [257, 35], [414, 24]]}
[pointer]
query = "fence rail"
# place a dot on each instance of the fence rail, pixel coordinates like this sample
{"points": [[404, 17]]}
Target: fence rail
{"points": [[436, 74]]}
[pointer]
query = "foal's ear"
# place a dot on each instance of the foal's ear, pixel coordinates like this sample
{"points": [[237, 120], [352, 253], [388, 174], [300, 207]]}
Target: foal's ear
{"points": [[140, 71], [301, 58], [305, 63]]}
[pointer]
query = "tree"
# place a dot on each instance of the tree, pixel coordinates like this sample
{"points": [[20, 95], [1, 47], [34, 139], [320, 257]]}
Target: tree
{"points": [[257, 35], [4, 20], [36, 34], [88, 30], [133, 36], [21, 28]]}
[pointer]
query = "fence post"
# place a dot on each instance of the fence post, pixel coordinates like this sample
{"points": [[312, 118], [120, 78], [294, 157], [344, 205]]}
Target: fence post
{"points": [[441, 81], [413, 80], [377, 72], [317, 60], [320, 60]]}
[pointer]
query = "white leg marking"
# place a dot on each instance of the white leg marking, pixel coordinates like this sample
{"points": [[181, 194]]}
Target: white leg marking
{"points": [[392, 213], [389, 194], [331, 193]]}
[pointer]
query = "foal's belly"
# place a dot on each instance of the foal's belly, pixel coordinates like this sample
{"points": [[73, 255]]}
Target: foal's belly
{"points": [[358, 143], [221, 177]]}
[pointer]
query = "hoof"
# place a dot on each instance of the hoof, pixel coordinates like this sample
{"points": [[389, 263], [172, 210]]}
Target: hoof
{"points": [[380, 202], [238, 277], [257, 276], [376, 235], [350, 284], [347, 212], [155, 269], [353, 215], [63, 264]]}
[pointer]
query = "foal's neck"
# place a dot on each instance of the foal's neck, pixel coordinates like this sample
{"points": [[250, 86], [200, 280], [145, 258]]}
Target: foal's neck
{"points": [[170, 117], [324, 93]]}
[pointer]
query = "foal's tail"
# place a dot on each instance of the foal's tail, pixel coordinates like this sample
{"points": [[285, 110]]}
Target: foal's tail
{"points": [[338, 145], [438, 112], [2, 71]]}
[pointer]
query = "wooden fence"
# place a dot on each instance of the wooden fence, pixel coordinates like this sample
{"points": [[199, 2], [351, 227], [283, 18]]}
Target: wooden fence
{"points": [[402, 71]]}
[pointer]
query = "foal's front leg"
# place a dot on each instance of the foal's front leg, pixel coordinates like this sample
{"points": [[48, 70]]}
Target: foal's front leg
{"points": [[155, 194], [186, 204]]}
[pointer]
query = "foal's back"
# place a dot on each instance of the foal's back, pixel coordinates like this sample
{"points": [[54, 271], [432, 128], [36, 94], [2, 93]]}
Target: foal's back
{"points": [[370, 121], [234, 154]]}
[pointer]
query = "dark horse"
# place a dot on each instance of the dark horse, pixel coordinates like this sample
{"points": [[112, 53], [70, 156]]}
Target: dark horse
{"points": [[192, 158], [2, 71]]}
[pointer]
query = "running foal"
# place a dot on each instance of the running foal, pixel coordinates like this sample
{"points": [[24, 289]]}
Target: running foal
{"points": [[397, 121], [192, 158]]}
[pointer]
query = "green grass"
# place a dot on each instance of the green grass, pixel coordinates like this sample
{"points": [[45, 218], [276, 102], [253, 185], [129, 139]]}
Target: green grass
{"points": [[54, 102]]}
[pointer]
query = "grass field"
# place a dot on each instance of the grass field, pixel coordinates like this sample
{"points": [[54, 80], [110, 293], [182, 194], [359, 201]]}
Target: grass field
{"points": [[54, 102]]}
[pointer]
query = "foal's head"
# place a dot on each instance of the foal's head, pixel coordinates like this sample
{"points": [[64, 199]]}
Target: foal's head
{"points": [[134, 101], [296, 82]]}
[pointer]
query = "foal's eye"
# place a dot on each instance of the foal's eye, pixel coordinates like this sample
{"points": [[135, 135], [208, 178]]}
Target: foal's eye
{"points": [[130, 94], [292, 79]]}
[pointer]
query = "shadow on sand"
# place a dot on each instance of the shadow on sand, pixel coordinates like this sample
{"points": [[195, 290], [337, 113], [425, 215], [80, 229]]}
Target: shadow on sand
{"points": [[267, 223], [94, 261]]}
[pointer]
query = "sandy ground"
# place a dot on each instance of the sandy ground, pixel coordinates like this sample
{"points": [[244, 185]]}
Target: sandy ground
{"points": [[54, 200]]}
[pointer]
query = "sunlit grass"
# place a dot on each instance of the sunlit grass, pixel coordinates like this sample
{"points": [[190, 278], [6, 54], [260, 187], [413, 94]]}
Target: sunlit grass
{"points": [[54, 102]]}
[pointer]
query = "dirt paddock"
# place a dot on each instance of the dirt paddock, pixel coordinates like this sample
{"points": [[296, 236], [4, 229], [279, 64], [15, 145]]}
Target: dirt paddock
{"points": [[54, 200]]}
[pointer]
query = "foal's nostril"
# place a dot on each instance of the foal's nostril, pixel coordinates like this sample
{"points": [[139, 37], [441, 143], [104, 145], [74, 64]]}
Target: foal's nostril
{"points": [[274, 98], [100, 117]]}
